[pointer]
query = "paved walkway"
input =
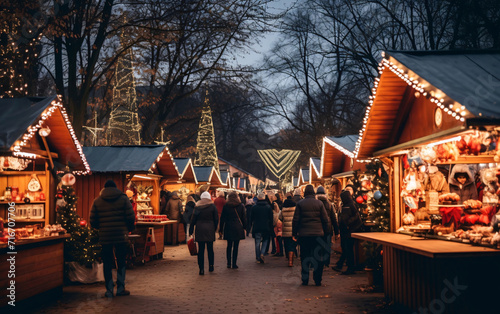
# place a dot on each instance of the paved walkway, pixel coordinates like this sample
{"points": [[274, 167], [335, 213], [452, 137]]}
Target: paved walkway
{"points": [[173, 285]]}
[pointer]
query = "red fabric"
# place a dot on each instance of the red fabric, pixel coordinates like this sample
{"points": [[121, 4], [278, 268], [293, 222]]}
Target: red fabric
{"points": [[219, 203], [192, 247], [451, 214]]}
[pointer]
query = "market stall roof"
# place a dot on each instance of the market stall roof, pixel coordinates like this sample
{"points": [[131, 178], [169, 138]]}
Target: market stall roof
{"points": [[208, 174], [314, 169], [334, 150], [234, 166], [303, 176], [295, 182], [133, 158], [186, 169], [225, 178], [21, 120], [464, 84]]}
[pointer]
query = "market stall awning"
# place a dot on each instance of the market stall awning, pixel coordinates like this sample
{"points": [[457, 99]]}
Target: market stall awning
{"points": [[462, 84], [314, 169], [133, 158], [186, 169], [334, 152], [208, 174], [21, 121]]}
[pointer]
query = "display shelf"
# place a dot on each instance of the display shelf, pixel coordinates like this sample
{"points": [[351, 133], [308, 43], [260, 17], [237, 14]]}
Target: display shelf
{"points": [[143, 201], [481, 159], [29, 220], [19, 203]]}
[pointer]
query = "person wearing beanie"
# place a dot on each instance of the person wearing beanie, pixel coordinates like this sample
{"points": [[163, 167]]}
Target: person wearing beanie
{"points": [[112, 214], [297, 195], [205, 219], [309, 225], [333, 227]]}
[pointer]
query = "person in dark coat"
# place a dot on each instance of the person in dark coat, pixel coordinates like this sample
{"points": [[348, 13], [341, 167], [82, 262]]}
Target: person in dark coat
{"points": [[286, 217], [232, 224], [164, 198], [462, 183], [206, 219], [262, 224], [349, 222], [219, 202], [297, 195], [188, 212], [310, 224], [174, 212], [249, 204], [333, 226], [113, 215]]}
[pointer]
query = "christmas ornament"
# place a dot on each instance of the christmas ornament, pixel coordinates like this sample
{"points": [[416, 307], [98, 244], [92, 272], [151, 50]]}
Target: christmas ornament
{"points": [[68, 179], [83, 223], [34, 184], [377, 195], [360, 199], [27, 200], [365, 197]]}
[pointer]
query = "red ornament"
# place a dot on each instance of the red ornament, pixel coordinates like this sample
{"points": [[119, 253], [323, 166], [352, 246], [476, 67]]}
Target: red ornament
{"points": [[360, 199], [365, 197], [83, 223]]}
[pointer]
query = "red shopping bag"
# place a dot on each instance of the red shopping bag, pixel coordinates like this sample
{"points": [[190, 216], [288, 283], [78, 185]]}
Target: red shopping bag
{"points": [[192, 247]]}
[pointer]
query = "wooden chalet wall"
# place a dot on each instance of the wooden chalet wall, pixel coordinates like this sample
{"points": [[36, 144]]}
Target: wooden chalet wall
{"points": [[87, 188]]}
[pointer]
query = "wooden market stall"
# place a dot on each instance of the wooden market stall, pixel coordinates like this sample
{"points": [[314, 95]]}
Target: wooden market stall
{"points": [[429, 113], [36, 142], [208, 175], [314, 171], [135, 168]]}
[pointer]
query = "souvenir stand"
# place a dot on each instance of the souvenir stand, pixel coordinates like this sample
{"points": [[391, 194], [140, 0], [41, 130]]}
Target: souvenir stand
{"points": [[137, 171], [184, 186], [36, 141], [432, 113]]}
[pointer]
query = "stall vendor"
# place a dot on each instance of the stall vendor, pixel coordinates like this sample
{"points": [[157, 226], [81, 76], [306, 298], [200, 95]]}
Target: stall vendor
{"points": [[462, 183]]}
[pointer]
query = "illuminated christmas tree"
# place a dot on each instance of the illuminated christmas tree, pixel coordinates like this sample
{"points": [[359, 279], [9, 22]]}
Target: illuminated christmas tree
{"points": [[124, 127], [83, 245], [378, 205], [206, 151], [19, 37]]}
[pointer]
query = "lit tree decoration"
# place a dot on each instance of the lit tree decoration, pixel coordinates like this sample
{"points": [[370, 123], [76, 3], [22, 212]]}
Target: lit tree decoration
{"points": [[124, 127], [19, 36], [206, 151], [378, 204], [94, 130], [83, 245]]}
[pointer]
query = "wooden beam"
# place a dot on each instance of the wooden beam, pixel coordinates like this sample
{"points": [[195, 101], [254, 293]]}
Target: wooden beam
{"points": [[48, 152]]}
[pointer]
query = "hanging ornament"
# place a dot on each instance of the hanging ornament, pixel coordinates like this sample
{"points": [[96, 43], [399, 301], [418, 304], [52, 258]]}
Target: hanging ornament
{"points": [[365, 197], [360, 199], [68, 179], [83, 223], [34, 184], [377, 195]]}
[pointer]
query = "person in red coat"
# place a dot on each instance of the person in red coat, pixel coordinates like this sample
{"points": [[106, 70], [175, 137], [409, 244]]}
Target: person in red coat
{"points": [[219, 203]]}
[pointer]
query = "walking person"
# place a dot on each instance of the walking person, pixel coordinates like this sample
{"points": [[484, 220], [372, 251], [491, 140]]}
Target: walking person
{"points": [[206, 219], [262, 224], [287, 217], [297, 195], [249, 204], [112, 214], [174, 212], [350, 221], [188, 212], [333, 226], [310, 224], [232, 226], [219, 202]]}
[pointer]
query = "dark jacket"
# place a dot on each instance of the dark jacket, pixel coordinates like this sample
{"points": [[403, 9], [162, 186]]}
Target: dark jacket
{"points": [[310, 218], [466, 192], [296, 198], [189, 210], [113, 215], [205, 218], [349, 219], [174, 208], [262, 219], [233, 228], [333, 226], [249, 216], [164, 198], [286, 217]]}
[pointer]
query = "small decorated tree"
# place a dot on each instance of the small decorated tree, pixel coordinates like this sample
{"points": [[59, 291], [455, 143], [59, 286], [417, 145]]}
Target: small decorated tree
{"points": [[378, 203], [82, 246]]}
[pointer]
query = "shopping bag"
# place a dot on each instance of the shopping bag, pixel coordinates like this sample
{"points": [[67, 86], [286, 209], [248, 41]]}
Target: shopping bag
{"points": [[192, 247]]}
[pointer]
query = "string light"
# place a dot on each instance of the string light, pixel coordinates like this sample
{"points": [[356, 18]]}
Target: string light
{"points": [[451, 109], [206, 151]]}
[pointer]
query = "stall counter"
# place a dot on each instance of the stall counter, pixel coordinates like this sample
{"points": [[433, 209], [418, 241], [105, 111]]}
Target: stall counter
{"points": [[429, 275], [158, 228], [39, 267]]}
